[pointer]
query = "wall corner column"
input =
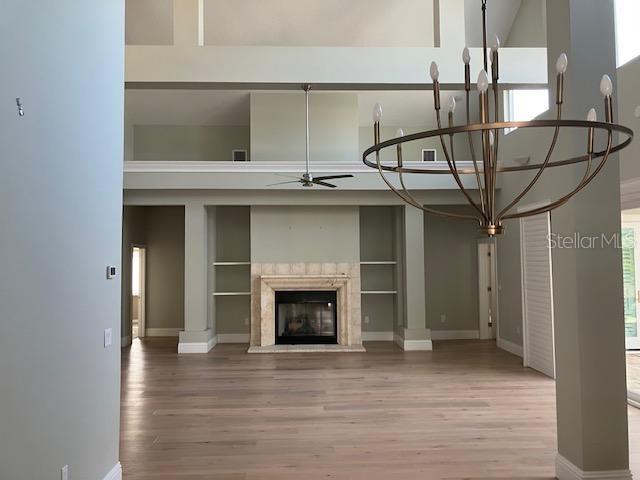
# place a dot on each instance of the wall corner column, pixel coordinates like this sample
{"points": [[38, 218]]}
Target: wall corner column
{"points": [[197, 337], [414, 335]]}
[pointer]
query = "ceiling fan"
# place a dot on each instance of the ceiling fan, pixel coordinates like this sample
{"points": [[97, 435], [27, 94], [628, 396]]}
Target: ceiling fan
{"points": [[307, 179]]}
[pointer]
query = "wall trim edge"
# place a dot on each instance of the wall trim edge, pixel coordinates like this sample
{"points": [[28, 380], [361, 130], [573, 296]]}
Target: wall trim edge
{"points": [[377, 336], [455, 334], [115, 473], [565, 470], [510, 347], [197, 347], [162, 332]]}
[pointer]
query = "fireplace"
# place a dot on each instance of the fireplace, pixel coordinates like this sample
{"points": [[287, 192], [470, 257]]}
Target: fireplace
{"points": [[306, 317]]}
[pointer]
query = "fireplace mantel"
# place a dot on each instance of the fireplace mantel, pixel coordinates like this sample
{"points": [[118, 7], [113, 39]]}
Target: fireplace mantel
{"points": [[343, 278]]}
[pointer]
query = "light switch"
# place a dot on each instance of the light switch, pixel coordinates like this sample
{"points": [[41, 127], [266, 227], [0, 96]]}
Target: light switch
{"points": [[112, 271], [108, 337]]}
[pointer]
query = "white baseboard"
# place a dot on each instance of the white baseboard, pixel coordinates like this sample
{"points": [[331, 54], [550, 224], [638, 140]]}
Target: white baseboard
{"points": [[565, 470], [115, 473], [633, 399], [377, 336], [510, 347], [233, 338], [455, 334], [412, 345], [125, 341], [162, 332], [197, 347]]}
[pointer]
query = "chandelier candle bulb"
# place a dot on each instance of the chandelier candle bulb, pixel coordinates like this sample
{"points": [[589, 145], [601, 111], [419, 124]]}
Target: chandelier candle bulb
{"points": [[606, 88], [434, 72], [377, 113], [483, 82], [466, 56], [562, 64], [494, 60], [435, 75], [561, 68], [466, 59]]}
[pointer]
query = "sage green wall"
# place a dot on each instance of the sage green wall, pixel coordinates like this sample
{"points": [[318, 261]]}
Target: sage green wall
{"points": [[628, 101], [304, 234], [61, 222], [133, 232], [529, 28], [278, 127], [451, 269], [188, 142], [164, 234]]}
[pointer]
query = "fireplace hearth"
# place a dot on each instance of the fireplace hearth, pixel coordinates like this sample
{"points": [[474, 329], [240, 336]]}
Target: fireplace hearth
{"points": [[306, 317]]}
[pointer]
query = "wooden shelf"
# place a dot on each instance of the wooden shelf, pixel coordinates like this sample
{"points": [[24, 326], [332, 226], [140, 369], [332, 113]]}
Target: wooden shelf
{"points": [[379, 292], [383, 262], [229, 264], [230, 294]]}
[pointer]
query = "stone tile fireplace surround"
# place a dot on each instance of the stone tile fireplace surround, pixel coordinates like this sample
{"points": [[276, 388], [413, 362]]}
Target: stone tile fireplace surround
{"points": [[267, 278]]}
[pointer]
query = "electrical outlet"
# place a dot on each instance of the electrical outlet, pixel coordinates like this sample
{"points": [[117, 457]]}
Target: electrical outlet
{"points": [[108, 337], [517, 329], [246, 321], [443, 318], [366, 319], [64, 473]]}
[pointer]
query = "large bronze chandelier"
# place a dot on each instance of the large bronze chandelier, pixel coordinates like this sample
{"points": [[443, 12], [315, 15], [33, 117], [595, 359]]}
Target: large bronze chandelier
{"points": [[485, 209]]}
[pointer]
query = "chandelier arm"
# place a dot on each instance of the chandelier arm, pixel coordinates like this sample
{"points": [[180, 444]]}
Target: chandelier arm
{"points": [[474, 159], [583, 183], [539, 174], [496, 142], [454, 171], [413, 202]]}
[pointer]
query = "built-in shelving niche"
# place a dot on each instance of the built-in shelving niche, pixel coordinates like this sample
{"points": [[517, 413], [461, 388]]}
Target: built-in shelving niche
{"points": [[230, 269], [379, 268]]}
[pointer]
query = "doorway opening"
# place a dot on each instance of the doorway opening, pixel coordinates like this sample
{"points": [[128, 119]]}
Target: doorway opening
{"points": [[630, 236], [138, 270]]}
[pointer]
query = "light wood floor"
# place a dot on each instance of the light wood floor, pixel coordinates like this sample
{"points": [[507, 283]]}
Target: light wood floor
{"points": [[466, 410]]}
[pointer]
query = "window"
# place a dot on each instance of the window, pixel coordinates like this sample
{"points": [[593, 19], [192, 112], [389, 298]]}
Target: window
{"points": [[524, 105], [627, 32]]}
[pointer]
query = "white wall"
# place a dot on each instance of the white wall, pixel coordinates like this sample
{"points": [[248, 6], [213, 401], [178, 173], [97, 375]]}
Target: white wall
{"points": [[61, 213], [405, 23], [278, 126]]}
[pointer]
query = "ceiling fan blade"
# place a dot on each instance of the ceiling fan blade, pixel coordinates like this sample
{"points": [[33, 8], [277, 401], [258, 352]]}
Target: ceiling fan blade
{"points": [[323, 184], [331, 177], [283, 183], [287, 176]]}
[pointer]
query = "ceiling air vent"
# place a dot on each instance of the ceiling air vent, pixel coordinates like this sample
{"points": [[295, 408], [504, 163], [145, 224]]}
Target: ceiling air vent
{"points": [[428, 155], [239, 155]]}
